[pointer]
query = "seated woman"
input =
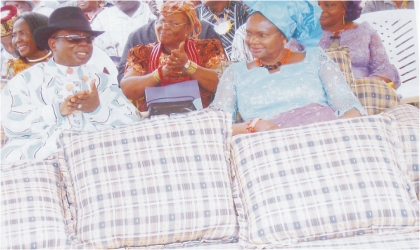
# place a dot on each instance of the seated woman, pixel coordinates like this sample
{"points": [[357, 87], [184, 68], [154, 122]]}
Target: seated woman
{"points": [[22, 39], [284, 88], [176, 58], [368, 55]]}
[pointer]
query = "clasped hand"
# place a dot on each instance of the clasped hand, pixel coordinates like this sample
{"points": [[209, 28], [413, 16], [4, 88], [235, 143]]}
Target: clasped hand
{"points": [[85, 101], [176, 62]]}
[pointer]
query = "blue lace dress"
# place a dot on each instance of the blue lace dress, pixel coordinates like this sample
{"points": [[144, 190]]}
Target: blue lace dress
{"points": [[257, 93]]}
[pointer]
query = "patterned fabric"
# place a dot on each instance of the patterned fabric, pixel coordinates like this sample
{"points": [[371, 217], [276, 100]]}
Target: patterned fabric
{"points": [[394, 241], [368, 55], [210, 52], [31, 114], [31, 206], [237, 15], [156, 182], [405, 113], [341, 57], [258, 93], [334, 179], [375, 95], [15, 66]]}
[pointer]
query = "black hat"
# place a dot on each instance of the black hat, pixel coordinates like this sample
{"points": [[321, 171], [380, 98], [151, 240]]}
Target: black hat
{"points": [[65, 18]]}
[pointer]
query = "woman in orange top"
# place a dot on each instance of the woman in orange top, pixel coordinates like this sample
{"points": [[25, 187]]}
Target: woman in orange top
{"points": [[177, 57]]}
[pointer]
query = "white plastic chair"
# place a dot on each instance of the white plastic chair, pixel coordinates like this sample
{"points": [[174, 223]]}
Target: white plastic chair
{"points": [[397, 30]]}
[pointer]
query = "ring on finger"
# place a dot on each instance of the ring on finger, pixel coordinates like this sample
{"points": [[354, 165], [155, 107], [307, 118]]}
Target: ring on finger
{"points": [[80, 106]]}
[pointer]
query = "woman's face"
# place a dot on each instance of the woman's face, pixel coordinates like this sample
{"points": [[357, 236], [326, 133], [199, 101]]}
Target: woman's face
{"points": [[173, 29], [263, 38], [88, 5], [332, 13], [22, 39]]}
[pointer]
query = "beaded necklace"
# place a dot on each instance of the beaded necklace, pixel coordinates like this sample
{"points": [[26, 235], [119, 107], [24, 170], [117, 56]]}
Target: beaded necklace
{"points": [[223, 25], [285, 58]]}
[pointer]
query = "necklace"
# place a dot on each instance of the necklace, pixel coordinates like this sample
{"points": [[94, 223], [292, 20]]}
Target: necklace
{"points": [[223, 25], [39, 59], [278, 64], [336, 37]]}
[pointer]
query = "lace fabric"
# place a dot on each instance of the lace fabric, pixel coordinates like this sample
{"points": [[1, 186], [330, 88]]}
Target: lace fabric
{"points": [[257, 93], [368, 55]]}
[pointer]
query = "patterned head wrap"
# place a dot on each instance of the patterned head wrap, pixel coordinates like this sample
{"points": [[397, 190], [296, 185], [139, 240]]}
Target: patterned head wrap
{"points": [[8, 16], [186, 7], [294, 18]]}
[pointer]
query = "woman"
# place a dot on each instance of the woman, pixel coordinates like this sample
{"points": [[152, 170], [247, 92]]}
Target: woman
{"points": [[91, 8], [22, 39], [368, 55], [175, 58], [284, 88]]}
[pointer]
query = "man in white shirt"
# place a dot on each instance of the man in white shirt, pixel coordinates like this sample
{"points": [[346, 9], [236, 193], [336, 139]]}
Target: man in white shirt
{"points": [[118, 22]]}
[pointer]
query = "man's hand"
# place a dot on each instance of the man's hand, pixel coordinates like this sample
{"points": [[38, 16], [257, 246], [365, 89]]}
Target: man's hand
{"points": [[85, 101]]}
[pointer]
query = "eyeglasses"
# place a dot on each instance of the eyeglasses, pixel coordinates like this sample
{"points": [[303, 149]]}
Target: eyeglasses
{"points": [[172, 25], [77, 39]]}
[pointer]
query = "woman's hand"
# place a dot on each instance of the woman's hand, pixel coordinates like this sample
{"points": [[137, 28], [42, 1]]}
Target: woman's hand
{"points": [[262, 125], [178, 58], [85, 101]]}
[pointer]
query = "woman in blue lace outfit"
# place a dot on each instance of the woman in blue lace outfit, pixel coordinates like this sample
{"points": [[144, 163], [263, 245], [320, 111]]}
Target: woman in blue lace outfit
{"points": [[307, 87]]}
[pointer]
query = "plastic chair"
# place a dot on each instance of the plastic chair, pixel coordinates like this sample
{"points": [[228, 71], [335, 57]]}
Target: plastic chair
{"points": [[397, 30]]}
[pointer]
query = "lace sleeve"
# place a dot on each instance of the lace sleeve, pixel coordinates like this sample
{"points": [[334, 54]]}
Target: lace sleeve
{"points": [[339, 95], [225, 98], [379, 63]]}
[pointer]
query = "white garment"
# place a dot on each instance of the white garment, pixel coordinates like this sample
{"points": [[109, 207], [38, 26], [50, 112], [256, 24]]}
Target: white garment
{"points": [[101, 60], [118, 26], [43, 9], [4, 57]]}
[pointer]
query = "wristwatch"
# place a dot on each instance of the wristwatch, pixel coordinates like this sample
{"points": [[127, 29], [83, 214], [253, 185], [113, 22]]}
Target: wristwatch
{"points": [[187, 65]]}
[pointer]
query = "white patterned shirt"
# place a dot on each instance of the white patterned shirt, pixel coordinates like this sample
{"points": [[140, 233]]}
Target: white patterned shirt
{"points": [[30, 108], [118, 26]]}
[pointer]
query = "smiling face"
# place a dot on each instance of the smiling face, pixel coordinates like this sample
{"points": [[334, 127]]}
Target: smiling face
{"points": [[173, 29], [69, 53], [23, 41], [332, 14], [263, 38]]}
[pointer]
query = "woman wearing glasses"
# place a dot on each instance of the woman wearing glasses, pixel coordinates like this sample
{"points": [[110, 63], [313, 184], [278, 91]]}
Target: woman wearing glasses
{"points": [[177, 57], [281, 88], [22, 39]]}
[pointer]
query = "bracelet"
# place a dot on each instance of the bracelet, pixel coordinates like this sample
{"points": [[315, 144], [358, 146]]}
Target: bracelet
{"points": [[250, 126], [160, 73], [156, 76], [192, 68], [391, 84]]}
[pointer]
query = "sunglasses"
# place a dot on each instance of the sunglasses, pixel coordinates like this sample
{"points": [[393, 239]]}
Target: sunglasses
{"points": [[77, 39]]}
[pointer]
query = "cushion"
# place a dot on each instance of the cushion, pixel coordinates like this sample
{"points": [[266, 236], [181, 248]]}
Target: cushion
{"points": [[327, 180], [31, 206], [157, 182], [375, 95], [341, 56]]}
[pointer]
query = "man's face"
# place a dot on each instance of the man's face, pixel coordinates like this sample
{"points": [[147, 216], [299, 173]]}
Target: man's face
{"points": [[20, 5], [69, 50], [125, 6]]}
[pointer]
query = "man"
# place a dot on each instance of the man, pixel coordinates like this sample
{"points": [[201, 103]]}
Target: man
{"points": [[118, 22], [28, 6], [225, 17], [63, 93], [372, 6]]}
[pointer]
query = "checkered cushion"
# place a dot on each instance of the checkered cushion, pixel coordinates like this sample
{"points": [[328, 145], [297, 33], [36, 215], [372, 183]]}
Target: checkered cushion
{"points": [[156, 182], [405, 113], [341, 56], [327, 180], [31, 208]]}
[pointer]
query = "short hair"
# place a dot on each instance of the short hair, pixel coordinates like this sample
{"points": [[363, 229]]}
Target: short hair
{"points": [[353, 10]]}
